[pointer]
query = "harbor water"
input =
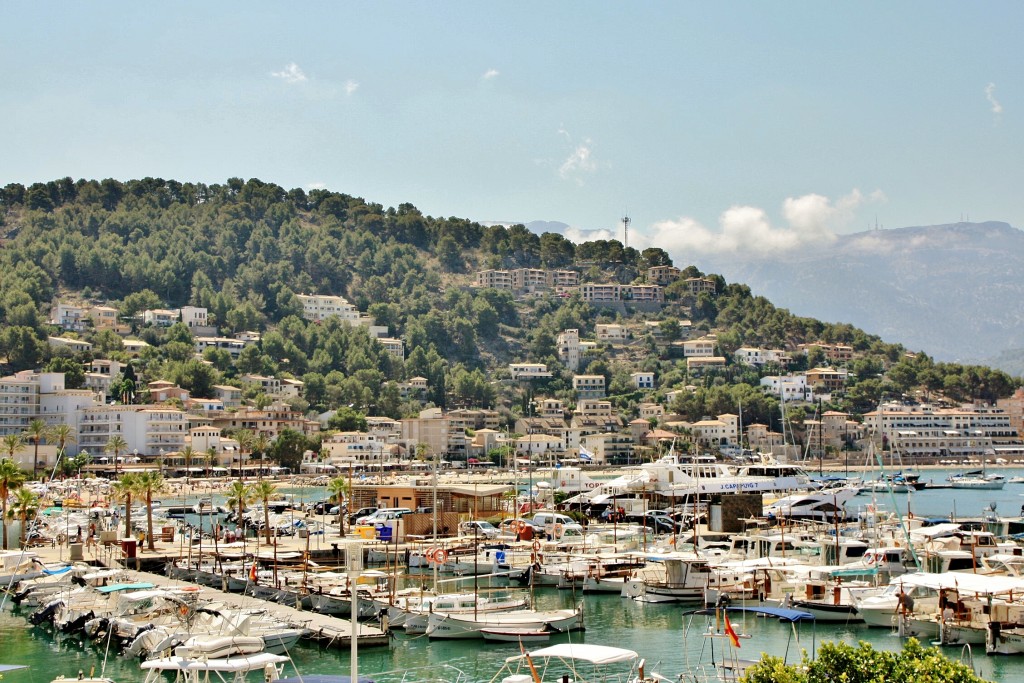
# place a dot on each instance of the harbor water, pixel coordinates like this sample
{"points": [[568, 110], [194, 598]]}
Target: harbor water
{"points": [[670, 641]]}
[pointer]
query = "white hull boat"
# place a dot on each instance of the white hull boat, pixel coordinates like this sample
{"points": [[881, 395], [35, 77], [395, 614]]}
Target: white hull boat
{"points": [[453, 626]]}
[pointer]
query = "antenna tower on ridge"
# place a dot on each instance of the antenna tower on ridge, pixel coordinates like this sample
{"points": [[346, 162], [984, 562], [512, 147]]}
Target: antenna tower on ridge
{"points": [[625, 232]]}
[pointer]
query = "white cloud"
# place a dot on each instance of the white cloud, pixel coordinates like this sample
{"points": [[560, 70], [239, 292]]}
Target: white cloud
{"points": [[290, 74], [990, 90], [580, 161], [810, 219], [579, 235], [316, 186], [351, 86], [491, 74]]}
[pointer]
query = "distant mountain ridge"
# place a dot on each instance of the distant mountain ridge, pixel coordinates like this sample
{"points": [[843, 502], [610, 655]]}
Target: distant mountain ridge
{"points": [[953, 291]]}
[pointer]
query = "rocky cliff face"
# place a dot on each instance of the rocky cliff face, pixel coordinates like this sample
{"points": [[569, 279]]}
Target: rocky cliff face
{"points": [[953, 291]]}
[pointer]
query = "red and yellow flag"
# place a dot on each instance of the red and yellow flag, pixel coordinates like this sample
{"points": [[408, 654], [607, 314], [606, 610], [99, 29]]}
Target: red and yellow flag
{"points": [[733, 638]]}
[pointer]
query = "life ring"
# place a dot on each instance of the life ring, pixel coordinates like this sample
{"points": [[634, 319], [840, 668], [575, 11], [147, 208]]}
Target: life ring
{"points": [[563, 483], [428, 554], [441, 556], [516, 526], [870, 559], [536, 546], [558, 530]]}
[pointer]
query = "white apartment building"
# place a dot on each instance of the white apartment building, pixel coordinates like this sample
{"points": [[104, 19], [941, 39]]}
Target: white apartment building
{"points": [[356, 448], [703, 347], [569, 349], [319, 307], [528, 371], [230, 396], [161, 317], [74, 345], [69, 317], [611, 333], [149, 430], [642, 380], [494, 279], [194, 317], [787, 387], [757, 357], [233, 346], [926, 432], [588, 386], [393, 347]]}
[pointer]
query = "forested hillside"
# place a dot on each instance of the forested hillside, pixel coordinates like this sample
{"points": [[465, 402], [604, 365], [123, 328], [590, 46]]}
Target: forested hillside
{"points": [[244, 249]]}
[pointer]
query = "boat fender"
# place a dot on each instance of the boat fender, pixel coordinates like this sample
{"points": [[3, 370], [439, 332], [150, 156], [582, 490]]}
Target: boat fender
{"points": [[441, 556]]}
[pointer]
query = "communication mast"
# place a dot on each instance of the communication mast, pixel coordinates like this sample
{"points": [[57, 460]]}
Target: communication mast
{"points": [[625, 232]]}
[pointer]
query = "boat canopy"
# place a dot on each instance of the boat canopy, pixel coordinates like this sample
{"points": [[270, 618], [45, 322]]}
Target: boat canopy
{"points": [[782, 613], [114, 588], [979, 584], [595, 654], [228, 664]]}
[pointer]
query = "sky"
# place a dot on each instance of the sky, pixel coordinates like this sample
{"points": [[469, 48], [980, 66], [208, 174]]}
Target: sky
{"points": [[717, 127]]}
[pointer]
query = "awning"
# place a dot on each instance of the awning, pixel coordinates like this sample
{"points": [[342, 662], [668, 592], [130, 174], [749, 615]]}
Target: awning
{"points": [[783, 613]]}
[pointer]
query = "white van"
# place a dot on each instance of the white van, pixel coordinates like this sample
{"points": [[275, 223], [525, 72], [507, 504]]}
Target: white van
{"points": [[544, 520]]}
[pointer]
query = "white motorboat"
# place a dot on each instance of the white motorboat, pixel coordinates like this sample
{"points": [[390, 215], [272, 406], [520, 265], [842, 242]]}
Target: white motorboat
{"points": [[686, 575], [823, 506], [228, 669], [582, 663], [451, 626]]}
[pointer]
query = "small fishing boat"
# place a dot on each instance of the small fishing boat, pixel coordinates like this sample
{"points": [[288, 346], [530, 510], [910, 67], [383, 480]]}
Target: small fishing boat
{"points": [[514, 635]]}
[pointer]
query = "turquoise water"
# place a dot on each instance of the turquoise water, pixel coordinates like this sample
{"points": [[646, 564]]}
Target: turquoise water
{"points": [[658, 632], [671, 643]]}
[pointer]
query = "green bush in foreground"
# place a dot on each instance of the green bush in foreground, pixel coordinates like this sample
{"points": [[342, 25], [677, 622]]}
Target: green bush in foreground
{"points": [[842, 663]]}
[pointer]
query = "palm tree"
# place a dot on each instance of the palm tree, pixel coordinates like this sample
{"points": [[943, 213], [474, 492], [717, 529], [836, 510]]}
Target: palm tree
{"points": [[24, 506], [62, 435], [11, 478], [147, 483], [211, 457], [338, 488], [239, 495], [12, 444], [123, 490], [263, 491], [260, 444], [36, 432], [188, 453], [244, 437], [116, 445]]}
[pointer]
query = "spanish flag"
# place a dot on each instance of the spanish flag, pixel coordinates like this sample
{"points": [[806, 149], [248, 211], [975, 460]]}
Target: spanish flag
{"points": [[733, 638], [253, 569]]}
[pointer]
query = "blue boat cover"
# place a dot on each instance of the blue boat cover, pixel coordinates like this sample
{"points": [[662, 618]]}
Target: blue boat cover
{"points": [[783, 613], [54, 572], [113, 588]]}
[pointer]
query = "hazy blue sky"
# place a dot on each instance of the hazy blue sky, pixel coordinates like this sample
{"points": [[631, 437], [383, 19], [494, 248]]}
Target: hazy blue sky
{"points": [[715, 125]]}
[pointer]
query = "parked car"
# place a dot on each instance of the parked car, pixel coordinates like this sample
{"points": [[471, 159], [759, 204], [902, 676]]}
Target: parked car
{"points": [[361, 512], [479, 527], [322, 507], [383, 515]]}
